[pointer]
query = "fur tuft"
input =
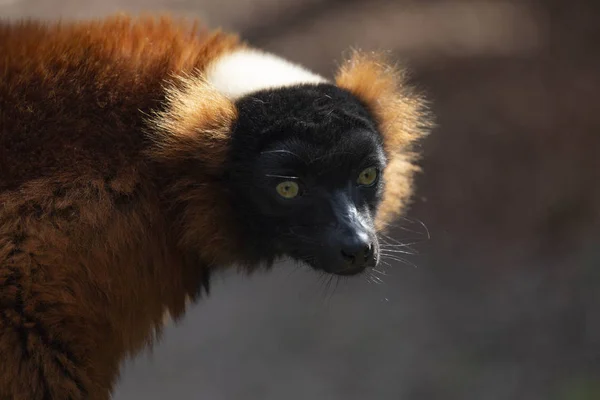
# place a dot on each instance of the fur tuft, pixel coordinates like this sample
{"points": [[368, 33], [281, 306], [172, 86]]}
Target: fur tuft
{"points": [[197, 118], [402, 119]]}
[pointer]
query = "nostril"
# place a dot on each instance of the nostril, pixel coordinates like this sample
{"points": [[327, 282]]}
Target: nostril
{"points": [[348, 257], [369, 251]]}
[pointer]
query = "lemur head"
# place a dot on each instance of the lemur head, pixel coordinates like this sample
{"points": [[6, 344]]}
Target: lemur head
{"points": [[305, 174], [312, 169]]}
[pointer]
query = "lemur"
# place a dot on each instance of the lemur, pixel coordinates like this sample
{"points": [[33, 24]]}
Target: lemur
{"points": [[140, 154]]}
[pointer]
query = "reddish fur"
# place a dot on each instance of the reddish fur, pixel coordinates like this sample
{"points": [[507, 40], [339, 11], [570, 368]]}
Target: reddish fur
{"points": [[102, 217], [402, 121], [88, 261]]}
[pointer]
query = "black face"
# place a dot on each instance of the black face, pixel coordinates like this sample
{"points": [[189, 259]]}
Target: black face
{"points": [[305, 176]]}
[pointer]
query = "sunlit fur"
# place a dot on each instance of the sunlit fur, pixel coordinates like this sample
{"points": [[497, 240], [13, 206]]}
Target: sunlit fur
{"points": [[245, 71], [402, 118], [112, 209]]}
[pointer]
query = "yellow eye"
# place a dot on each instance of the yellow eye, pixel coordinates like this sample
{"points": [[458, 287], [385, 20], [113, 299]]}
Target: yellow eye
{"points": [[288, 189], [367, 177]]}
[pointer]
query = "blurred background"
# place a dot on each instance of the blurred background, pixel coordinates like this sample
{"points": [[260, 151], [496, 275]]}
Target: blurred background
{"points": [[502, 299]]}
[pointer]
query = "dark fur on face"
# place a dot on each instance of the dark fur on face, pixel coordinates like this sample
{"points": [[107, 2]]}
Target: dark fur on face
{"points": [[321, 138]]}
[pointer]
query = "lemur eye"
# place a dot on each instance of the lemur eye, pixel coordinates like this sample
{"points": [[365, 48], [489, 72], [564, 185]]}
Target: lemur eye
{"points": [[367, 177], [288, 189]]}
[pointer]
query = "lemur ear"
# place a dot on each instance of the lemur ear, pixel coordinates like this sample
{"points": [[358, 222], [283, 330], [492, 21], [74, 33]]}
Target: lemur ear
{"points": [[401, 117], [195, 123]]}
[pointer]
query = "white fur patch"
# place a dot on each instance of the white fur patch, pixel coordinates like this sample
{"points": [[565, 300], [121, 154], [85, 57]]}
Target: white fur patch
{"points": [[246, 71]]}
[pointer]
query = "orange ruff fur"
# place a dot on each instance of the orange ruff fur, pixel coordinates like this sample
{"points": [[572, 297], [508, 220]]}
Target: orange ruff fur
{"points": [[101, 219]]}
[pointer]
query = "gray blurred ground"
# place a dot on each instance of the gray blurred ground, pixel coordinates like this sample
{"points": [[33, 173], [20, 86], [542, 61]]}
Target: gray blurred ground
{"points": [[504, 301]]}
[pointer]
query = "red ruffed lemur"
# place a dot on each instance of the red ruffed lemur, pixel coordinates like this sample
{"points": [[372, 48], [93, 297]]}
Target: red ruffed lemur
{"points": [[138, 155]]}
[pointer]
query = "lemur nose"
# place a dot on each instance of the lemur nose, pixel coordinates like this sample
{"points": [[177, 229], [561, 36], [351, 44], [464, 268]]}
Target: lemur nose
{"points": [[356, 248]]}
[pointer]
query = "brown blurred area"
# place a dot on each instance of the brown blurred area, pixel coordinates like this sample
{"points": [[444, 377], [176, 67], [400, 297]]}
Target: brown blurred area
{"points": [[505, 300]]}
